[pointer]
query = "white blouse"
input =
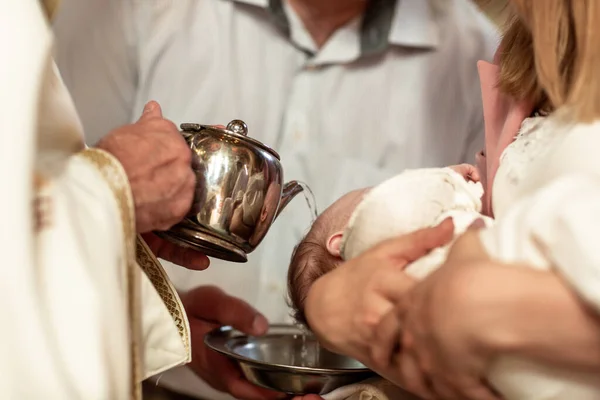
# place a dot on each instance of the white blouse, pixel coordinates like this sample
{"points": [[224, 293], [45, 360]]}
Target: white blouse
{"points": [[546, 197], [547, 202]]}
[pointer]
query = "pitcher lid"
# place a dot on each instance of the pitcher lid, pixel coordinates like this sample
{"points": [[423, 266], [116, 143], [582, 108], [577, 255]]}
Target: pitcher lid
{"points": [[236, 129]]}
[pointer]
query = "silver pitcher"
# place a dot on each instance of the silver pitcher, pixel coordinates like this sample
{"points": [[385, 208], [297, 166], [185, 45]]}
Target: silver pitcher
{"points": [[239, 192]]}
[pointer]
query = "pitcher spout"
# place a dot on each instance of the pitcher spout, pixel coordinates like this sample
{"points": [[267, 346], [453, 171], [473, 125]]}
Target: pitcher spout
{"points": [[290, 190]]}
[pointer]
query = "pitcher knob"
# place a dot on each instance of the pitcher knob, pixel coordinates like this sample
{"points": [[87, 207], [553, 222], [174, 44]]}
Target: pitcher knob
{"points": [[238, 126]]}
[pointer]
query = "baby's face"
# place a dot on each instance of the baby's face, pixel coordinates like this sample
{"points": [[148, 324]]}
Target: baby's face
{"points": [[319, 252]]}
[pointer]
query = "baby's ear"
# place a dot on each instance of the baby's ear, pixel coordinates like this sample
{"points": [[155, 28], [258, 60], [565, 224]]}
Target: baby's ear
{"points": [[334, 244]]}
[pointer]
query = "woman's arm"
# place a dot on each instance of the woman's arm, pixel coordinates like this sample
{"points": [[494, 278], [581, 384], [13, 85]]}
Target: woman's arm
{"points": [[555, 228], [550, 323]]}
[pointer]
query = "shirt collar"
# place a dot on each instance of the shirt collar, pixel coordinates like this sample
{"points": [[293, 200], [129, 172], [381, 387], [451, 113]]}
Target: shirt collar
{"points": [[413, 23], [258, 3]]}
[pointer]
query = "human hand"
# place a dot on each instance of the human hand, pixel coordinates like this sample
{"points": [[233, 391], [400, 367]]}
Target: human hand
{"points": [[440, 339], [208, 308], [468, 246], [157, 162], [448, 327], [344, 307], [468, 171], [185, 257]]}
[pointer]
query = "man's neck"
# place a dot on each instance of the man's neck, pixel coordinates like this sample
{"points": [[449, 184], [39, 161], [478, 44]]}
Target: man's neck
{"points": [[322, 18]]}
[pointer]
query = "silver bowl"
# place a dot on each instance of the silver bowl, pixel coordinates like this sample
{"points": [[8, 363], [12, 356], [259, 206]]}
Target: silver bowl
{"points": [[287, 359]]}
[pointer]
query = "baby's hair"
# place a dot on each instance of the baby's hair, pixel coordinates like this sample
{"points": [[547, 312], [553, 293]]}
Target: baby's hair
{"points": [[310, 260]]}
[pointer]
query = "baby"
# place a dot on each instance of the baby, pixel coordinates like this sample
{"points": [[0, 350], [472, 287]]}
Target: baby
{"points": [[410, 201]]}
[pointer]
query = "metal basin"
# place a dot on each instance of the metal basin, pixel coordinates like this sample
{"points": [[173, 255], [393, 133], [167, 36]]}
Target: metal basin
{"points": [[287, 359]]}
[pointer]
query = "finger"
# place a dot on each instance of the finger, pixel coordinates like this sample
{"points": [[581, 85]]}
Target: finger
{"points": [[479, 223], [462, 169], [218, 370], [415, 245], [187, 258], [226, 376], [167, 181], [393, 287], [444, 391], [413, 379], [242, 389], [236, 384], [151, 110], [387, 341], [169, 206], [474, 389], [212, 304], [467, 171], [474, 174]]}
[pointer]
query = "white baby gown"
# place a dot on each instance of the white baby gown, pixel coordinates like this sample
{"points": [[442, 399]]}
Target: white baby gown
{"points": [[413, 200]]}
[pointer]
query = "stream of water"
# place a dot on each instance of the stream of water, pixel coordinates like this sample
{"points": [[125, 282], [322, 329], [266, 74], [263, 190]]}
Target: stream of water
{"points": [[311, 201]]}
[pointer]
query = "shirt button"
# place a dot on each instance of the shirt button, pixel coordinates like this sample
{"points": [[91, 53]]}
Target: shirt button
{"points": [[273, 287]]}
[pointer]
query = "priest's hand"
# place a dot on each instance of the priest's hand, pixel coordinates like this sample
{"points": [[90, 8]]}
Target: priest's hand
{"points": [[208, 307], [184, 257], [157, 162]]}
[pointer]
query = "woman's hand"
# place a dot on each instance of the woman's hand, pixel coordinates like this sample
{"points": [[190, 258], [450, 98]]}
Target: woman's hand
{"points": [[468, 247], [448, 328], [435, 327], [345, 306], [451, 326]]}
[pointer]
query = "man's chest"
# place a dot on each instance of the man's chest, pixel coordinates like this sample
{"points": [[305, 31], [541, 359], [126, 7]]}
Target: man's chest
{"points": [[396, 110], [387, 114]]}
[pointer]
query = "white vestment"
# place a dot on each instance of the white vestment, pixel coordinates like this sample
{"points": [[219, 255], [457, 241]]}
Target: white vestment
{"points": [[82, 318]]}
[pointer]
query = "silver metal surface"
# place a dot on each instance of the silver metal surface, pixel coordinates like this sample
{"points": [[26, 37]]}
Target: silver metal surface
{"points": [[287, 359], [239, 192]]}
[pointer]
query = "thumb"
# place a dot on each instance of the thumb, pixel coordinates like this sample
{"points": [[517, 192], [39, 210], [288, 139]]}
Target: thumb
{"points": [[151, 110], [215, 306], [479, 223]]}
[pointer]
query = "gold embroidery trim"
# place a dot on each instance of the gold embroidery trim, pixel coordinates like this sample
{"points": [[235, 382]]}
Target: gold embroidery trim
{"points": [[115, 177], [160, 280], [42, 204], [143, 255]]}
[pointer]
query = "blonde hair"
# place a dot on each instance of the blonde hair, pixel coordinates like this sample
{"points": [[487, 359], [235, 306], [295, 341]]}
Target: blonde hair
{"points": [[550, 55]]}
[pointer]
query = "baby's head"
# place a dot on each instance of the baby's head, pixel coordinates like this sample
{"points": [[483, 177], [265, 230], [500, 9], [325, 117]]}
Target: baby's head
{"points": [[319, 252], [412, 200]]}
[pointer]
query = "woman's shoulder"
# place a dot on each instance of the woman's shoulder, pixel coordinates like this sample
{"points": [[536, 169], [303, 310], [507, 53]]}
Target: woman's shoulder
{"points": [[577, 145], [545, 149], [568, 148]]}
